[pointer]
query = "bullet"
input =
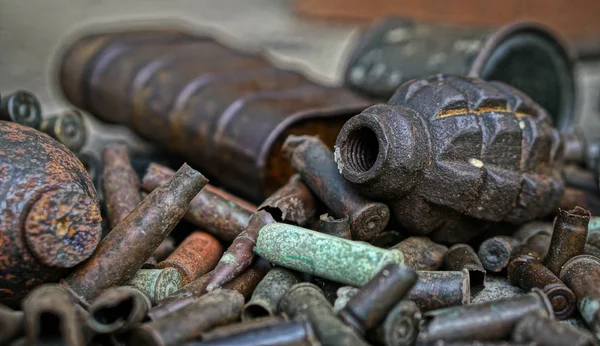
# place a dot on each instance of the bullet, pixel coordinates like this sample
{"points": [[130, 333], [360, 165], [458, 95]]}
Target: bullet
{"points": [[214, 309], [268, 293], [462, 256], [21, 107], [212, 210], [51, 214], [67, 127], [495, 252], [401, 326], [239, 255], [11, 324], [420, 253], [121, 186], [157, 284], [440, 289], [51, 317], [125, 249], [313, 160], [369, 306], [195, 256], [546, 332], [335, 227], [568, 238], [305, 299], [165, 249], [482, 322], [293, 203], [387, 239], [527, 272], [496, 288], [582, 275], [340, 260], [117, 309]]}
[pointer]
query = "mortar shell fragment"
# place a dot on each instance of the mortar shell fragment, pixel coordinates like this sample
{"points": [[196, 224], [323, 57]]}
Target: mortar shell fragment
{"points": [[293, 203], [568, 238], [268, 293], [125, 249], [401, 326], [21, 107], [157, 284], [67, 127], [121, 186], [546, 332], [335, 227], [440, 289], [420, 253], [462, 256], [495, 252], [313, 160], [326, 256], [11, 324], [117, 309]]}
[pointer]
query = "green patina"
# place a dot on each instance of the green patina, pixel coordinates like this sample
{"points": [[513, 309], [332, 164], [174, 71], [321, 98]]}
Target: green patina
{"points": [[157, 284]]}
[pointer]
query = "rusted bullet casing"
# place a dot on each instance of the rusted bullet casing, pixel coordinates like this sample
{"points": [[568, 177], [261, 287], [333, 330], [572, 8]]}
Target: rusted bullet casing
{"points": [[157, 284], [335, 227], [495, 253], [11, 324], [268, 293], [293, 203], [536, 246], [546, 332], [195, 256], [125, 249], [314, 161], [305, 299], [401, 326], [67, 127], [420, 253], [527, 272], [440, 289], [568, 238], [121, 186], [50, 212], [213, 210], [496, 288], [188, 323], [487, 321], [462, 256], [117, 309], [387, 239], [340, 260], [21, 107], [453, 155], [369, 306]]}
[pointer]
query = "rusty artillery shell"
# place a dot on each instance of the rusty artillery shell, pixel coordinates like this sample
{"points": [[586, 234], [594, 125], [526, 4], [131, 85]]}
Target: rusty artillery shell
{"points": [[216, 308], [420, 253], [462, 256], [117, 309], [495, 252], [454, 156], [21, 107], [308, 300], [546, 332], [157, 284], [213, 210], [268, 293], [121, 186], [568, 238], [496, 288], [340, 260], [314, 161], [67, 127], [50, 212], [239, 255], [527, 272], [401, 326], [293, 203], [441, 289], [51, 316], [582, 275], [486, 321], [195, 256], [125, 249], [11, 324], [369, 306], [335, 227]]}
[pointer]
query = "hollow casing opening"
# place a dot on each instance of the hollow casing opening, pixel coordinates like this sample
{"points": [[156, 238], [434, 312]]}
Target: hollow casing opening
{"points": [[111, 314]]}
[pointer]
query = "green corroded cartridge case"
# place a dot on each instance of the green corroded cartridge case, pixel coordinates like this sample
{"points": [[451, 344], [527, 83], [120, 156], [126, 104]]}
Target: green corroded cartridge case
{"points": [[329, 257], [157, 284], [268, 293]]}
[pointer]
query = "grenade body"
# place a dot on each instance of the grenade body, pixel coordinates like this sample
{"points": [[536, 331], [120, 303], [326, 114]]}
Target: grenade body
{"points": [[50, 212], [452, 155]]}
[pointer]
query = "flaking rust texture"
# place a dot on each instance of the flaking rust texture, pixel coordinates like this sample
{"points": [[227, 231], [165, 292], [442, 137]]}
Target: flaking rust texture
{"points": [[451, 155], [50, 216]]}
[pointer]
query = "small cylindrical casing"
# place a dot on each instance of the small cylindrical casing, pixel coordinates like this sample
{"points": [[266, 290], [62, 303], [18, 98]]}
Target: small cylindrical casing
{"points": [[195, 256], [420, 253], [121, 186], [495, 252], [67, 127], [11, 324], [369, 306], [21, 107], [401, 326], [527, 272], [546, 332], [292, 203], [307, 299], [216, 308], [536, 246], [336, 227], [496, 288], [125, 249], [157, 284], [440, 289], [314, 161], [326, 256], [268, 293], [493, 320], [568, 238], [117, 309], [462, 256]]}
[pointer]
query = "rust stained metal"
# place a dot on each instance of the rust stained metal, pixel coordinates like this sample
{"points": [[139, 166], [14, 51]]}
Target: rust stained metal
{"points": [[21, 107], [568, 238], [293, 203], [121, 186], [462, 256], [441, 289], [117, 309], [66, 127], [336, 227], [420, 253], [495, 252]]}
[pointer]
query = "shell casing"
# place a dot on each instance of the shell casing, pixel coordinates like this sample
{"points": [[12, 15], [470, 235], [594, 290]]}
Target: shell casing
{"points": [[292, 203], [336, 227], [157, 284], [21, 107], [401, 326], [543, 331], [495, 253], [67, 127], [268, 293], [120, 185], [441, 289], [568, 238], [420, 253], [462, 256], [11, 324], [117, 309]]}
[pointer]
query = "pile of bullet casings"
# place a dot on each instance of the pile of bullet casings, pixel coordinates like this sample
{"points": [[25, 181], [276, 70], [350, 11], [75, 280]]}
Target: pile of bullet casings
{"points": [[454, 214]]}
